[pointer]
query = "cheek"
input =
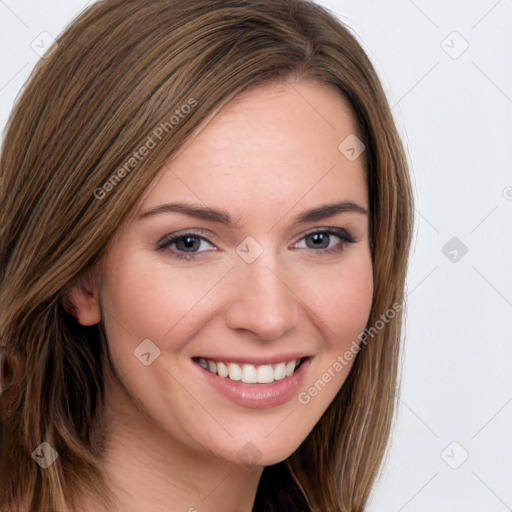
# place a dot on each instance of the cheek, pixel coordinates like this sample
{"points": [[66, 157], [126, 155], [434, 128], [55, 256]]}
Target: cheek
{"points": [[342, 300], [343, 311], [352, 308], [143, 300]]}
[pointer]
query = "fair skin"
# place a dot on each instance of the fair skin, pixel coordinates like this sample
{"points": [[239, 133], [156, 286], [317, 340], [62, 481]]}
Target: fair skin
{"points": [[176, 442]]}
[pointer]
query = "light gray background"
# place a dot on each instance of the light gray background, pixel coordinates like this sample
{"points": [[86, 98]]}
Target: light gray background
{"points": [[454, 111]]}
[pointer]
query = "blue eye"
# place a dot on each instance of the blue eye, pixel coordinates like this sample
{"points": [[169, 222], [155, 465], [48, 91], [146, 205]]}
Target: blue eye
{"points": [[188, 243], [320, 241], [187, 246]]}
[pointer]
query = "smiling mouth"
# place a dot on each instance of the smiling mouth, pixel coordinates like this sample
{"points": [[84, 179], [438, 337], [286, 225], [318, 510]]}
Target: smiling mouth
{"points": [[250, 373]]}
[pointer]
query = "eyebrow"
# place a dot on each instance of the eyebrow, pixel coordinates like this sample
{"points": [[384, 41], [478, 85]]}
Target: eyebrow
{"points": [[198, 211]]}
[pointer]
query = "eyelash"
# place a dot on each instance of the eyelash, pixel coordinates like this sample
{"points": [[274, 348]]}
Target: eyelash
{"points": [[167, 241]]}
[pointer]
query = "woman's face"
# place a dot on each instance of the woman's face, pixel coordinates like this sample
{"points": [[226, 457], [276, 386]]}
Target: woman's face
{"points": [[249, 255]]}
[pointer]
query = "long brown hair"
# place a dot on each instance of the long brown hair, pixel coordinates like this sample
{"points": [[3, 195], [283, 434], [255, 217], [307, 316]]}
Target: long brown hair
{"points": [[121, 69]]}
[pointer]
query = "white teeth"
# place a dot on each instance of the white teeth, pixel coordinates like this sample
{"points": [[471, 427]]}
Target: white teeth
{"points": [[290, 367], [222, 370], [279, 371], [265, 374], [250, 373], [235, 372]]}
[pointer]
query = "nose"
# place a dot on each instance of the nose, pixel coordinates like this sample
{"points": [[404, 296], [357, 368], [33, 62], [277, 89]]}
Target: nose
{"points": [[262, 300]]}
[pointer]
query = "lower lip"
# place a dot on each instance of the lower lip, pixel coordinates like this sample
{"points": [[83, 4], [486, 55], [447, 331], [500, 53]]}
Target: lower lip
{"points": [[258, 396]]}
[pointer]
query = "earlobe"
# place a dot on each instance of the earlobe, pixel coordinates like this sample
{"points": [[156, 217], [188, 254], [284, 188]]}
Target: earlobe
{"points": [[82, 302]]}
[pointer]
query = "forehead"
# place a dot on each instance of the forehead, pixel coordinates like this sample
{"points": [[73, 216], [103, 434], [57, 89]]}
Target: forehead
{"points": [[276, 144]]}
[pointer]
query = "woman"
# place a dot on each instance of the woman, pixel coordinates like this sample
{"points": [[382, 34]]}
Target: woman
{"points": [[206, 218]]}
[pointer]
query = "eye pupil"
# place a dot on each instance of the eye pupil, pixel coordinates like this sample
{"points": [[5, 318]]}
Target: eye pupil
{"points": [[188, 242], [320, 240]]}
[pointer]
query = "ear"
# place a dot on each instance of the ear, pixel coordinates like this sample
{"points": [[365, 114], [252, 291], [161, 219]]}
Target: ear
{"points": [[82, 301]]}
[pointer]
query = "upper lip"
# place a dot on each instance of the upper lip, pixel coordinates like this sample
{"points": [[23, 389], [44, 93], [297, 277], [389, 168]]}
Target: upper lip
{"points": [[255, 359]]}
